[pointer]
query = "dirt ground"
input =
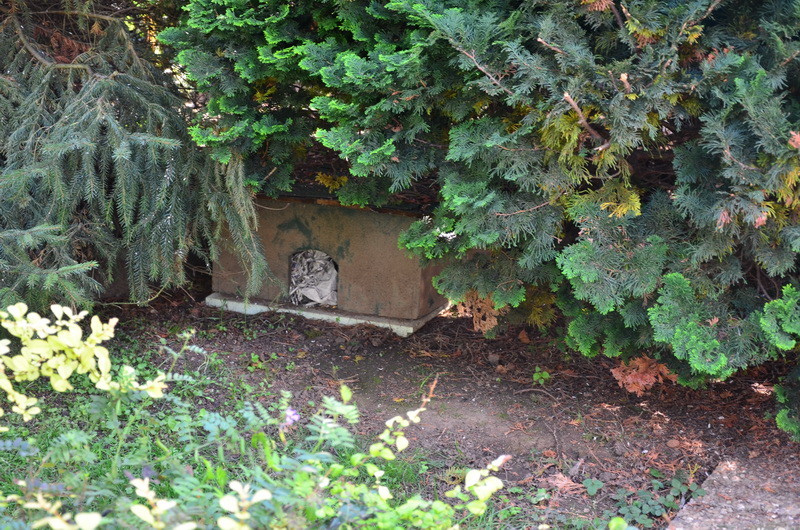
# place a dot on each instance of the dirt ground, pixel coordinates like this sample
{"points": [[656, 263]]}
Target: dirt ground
{"points": [[578, 425]]}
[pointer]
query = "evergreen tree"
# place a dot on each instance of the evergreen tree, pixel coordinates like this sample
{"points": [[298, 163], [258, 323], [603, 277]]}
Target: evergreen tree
{"points": [[96, 164], [640, 159]]}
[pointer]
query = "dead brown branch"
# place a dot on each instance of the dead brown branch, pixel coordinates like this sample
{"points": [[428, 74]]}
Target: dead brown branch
{"points": [[36, 54]]}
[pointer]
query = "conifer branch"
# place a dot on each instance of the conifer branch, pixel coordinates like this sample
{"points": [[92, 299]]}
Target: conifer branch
{"points": [[728, 154], [690, 22], [526, 210], [432, 144], [710, 9], [495, 79], [617, 16], [624, 78], [585, 123], [548, 45], [105, 158], [613, 80], [95, 16], [516, 148], [790, 58]]}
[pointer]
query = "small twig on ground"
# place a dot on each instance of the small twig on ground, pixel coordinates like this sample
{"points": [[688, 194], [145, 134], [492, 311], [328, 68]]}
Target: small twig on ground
{"points": [[431, 388], [557, 445], [599, 462], [575, 468], [442, 434]]}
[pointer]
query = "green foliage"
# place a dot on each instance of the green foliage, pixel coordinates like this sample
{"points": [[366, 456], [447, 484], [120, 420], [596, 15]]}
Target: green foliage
{"points": [[788, 398], [246, 58], [124, 461], [592, 486], [618, 523], [35, 266], [645, 507], [96, 164], [781, 319], [541, 377], [641, 161], [56, 349]]}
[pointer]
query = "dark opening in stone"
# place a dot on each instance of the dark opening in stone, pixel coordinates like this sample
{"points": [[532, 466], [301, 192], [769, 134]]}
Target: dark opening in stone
{"points": [[313, 279]]}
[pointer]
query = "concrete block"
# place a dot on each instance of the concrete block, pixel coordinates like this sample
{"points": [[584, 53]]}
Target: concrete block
{"points": [[376, 278]]}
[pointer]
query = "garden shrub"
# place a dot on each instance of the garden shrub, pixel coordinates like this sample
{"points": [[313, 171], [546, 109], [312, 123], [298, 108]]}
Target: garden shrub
{"points": [[56, 349], [639, 159], [141, 458]]}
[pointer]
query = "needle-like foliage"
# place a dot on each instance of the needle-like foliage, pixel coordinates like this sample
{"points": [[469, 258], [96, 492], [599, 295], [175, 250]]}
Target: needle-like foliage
{"points": [[639, 158], [96, 164]]}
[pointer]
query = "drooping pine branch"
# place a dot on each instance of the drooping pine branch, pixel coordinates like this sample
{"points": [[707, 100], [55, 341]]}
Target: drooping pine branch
{"points": [[96, 163]]}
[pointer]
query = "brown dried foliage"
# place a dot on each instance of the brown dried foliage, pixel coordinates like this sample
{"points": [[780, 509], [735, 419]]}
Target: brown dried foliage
{"points": [[794, 139], [598, 5], [484, 315], [63, 49], [640, 374], [564, 484]]}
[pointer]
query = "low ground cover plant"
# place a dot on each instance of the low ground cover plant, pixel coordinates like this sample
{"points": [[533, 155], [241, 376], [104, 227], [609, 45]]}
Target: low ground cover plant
{"points": [[137, 455]]}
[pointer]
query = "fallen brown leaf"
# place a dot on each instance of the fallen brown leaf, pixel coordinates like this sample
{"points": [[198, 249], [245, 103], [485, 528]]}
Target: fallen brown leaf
{"points": [[564, 484], [504, 368]]}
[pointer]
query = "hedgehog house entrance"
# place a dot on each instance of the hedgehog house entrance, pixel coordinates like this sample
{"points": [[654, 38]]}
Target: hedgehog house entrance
{"points": [[314, 278]]}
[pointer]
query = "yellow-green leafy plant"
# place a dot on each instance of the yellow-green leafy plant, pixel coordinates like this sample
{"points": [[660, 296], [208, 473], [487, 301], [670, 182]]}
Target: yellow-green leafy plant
{"points": [[56, 349], [55, 518], [263, 466]]}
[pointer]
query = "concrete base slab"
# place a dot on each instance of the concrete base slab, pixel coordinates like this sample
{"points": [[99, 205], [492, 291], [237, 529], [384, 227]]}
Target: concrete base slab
{"points": [[400, 327], [745, 493]]}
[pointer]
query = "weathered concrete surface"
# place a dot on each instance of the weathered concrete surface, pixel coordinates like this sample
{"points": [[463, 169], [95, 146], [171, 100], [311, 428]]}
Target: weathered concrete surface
{"points": [[399, 326], [375, 276], [746, 493]]}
